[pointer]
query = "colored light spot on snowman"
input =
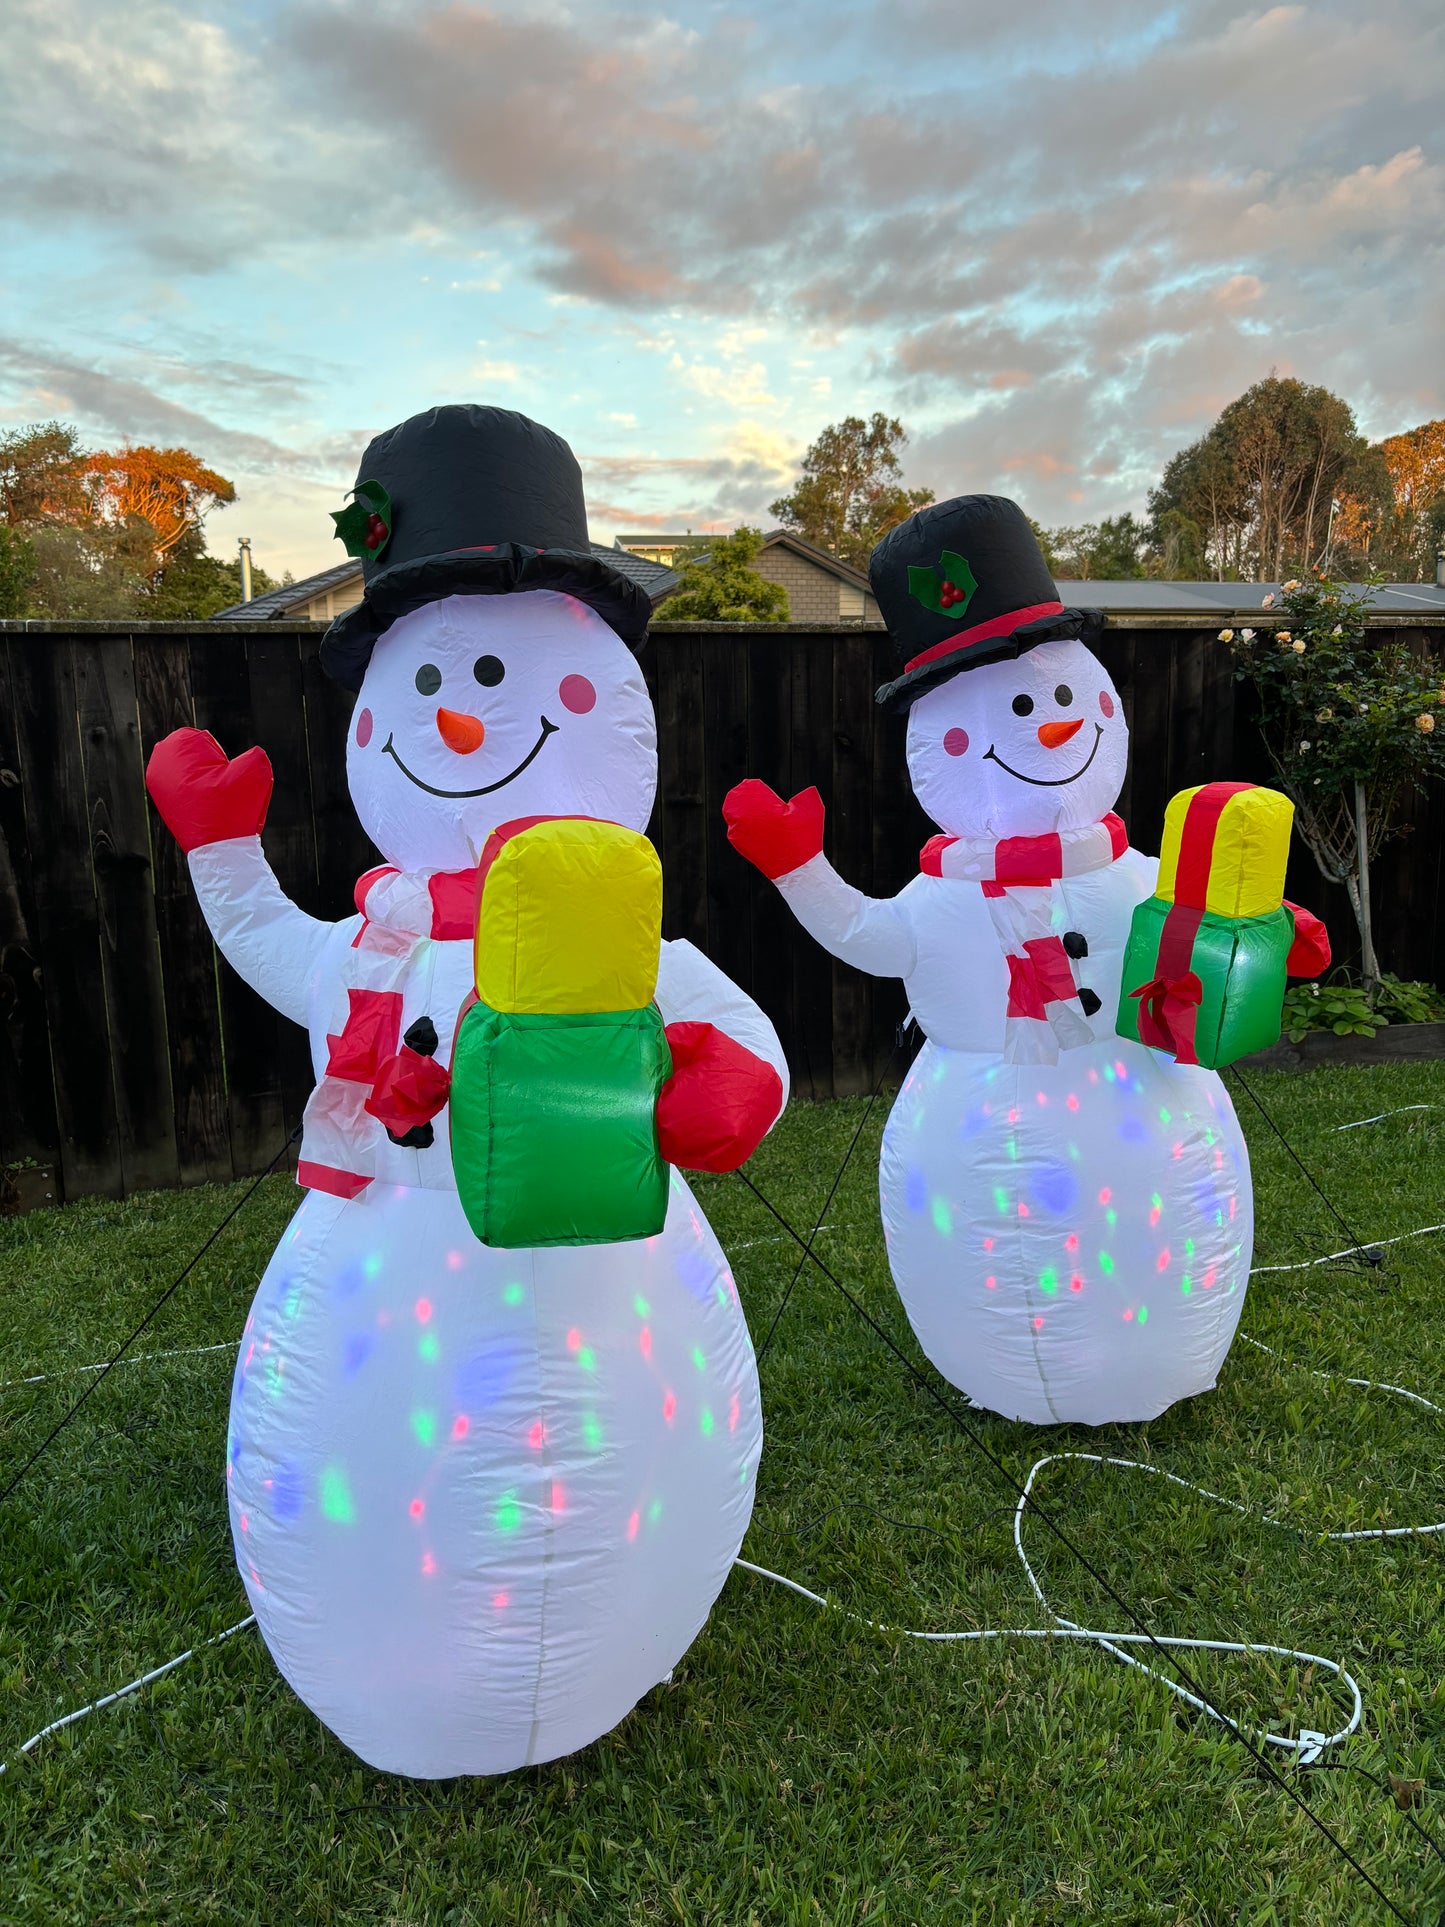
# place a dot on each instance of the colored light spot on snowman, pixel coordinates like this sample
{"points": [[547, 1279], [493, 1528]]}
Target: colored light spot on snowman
{"points": [[349, 1279], [1055, 1188], [1023, 1209], [1071, 1243], [696, 1271], [633, 1522], [1133, 1129], [455, 1261], [484, 1378], [1013, 1149], [1189, 1247], [508, 1515], [1076, 1283], [1093, 1077], [1072, 1101], [1161, 1263], [461, 1425], [1156, 1208], [501, 1601], [537, 1435], [256, 1579], [669, 1407], [654, 1511], [704, 1424], [559, 1498], [1128, 1316], [587, 1359], [358, 1350], [428, 1350], [371, 1265], [1178, 1151], [1219, 1160], [915, 1189], [424, 1424], [1013, 1116], [990, 1284], [1000, 1198], [513, 1294], [942, 1218], [988, 1244], [1040, 1097], [1048, 1280], [274, 1369], [939, 1072], [417, 1508], [423, 1310], [1186, 1285], [1038, 1324], [428, 1563], [1111, 1217], [1165, 1117], [1106, 1264], [644, 1341], [245, 1523], [293, 1302], [1108, 1073], [288, 1493], [641, 1306], [336, 1496], [1232, 1203], [1208, 1279], [699, 1358], [591, 1432], [733, 1410], [1121, 1070], [1143, 1314], [1105, 1195]]}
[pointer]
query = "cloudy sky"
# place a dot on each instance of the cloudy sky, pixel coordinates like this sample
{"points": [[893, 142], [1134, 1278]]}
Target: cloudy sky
{"points": [[1054, 236]]}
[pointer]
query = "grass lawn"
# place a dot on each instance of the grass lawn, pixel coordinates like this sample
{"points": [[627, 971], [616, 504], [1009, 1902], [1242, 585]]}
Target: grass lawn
{"points": [[799, 1767]]}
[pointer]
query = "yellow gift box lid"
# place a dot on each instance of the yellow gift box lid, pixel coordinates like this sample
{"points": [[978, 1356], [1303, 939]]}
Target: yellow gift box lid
{"points": [[569, 918], [1225, 849]]}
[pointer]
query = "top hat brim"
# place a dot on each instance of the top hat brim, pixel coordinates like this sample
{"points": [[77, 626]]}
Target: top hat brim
{"points": [[1068, 625], [501, 569]]}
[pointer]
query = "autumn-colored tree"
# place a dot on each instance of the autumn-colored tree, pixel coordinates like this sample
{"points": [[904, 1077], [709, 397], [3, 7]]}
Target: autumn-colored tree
{"points": [[1398, 530], [849, 494], [170, 489]]}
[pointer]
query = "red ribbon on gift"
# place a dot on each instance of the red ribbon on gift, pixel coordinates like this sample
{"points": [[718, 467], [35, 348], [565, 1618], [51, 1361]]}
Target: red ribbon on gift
{"points": [[1168, 1014]]}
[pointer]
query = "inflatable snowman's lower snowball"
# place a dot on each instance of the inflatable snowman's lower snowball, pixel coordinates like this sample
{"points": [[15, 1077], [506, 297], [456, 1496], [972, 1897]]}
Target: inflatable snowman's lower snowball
{"points": [[1071, 1242], [484, 1500]]}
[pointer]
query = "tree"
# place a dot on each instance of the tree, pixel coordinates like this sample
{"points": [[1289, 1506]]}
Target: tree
{"points": [[1107, 551], [17, 571], [195, 585], [42, 477], [1398, 527], [170, 490], [1263, 484], [849, 495], [721, 586], [1350, 727]]}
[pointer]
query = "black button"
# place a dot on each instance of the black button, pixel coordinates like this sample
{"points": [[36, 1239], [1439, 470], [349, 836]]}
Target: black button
{"points": [[422, 1037], [420, 1137], [1076, 945], [1090, 1000]]}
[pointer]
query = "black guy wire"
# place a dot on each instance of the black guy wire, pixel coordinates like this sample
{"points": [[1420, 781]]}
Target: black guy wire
{"points": [[1371, 1254], [1165, 1654], [1353, 1766], [833, 1191], [126, 1344]]}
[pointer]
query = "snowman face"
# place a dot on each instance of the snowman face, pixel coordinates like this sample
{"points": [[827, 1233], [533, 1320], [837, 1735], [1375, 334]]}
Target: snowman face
{"points": [[479, 709], [1020, 748]]}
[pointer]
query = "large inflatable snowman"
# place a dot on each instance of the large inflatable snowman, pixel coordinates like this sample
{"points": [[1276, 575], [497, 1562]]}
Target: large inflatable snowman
{"points": [[1068, 1213], [482, 1499]]}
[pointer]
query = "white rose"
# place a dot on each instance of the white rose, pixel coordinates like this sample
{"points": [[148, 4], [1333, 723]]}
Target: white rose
{"points": [[1246, 635], [1268, 602]]}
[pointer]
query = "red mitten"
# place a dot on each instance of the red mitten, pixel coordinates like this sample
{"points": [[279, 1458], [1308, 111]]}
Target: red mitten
{"points": [[202, 797], [774, 836], [409, 1090], [716, 1108], [1310, 952]]}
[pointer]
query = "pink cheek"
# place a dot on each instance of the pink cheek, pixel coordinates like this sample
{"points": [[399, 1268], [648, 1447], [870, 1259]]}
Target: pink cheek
{"points": [[364, 728], [576, 694], [956, 742], [1106, 702]]}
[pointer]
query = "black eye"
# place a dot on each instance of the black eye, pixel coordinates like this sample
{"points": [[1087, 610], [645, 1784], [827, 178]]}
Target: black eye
{"points": [[1023, 705], [428, 679], [489, 671], [1063, 695]]}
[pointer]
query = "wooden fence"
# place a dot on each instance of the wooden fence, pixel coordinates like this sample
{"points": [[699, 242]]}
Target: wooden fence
{"points": [[131, 1056]]}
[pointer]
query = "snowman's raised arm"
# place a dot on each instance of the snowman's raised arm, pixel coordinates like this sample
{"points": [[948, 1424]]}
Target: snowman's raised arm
{"points": [[785, 842], [729, 1082], [215, 809]]}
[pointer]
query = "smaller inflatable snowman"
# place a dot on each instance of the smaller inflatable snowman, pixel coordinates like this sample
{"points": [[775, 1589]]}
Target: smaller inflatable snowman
{"points": [[1068, 1214], [482, 1499]]}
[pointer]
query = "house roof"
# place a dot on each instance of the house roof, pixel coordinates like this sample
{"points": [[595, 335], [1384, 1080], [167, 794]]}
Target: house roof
{"points": [[1144, 597], [785, 539], [276, 604]]}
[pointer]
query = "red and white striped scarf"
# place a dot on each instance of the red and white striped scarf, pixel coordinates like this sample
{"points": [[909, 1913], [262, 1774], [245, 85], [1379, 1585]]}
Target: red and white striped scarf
{"points": [[1017, 875]]}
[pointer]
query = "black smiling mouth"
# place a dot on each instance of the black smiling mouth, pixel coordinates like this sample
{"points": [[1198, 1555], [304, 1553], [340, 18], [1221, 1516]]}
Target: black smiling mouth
{"points": [[1048, 782], [388, 748]]}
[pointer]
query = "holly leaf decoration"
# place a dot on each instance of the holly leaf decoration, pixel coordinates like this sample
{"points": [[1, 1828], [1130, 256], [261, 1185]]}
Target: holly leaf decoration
{"points": [[947, 588], [364, 525]]}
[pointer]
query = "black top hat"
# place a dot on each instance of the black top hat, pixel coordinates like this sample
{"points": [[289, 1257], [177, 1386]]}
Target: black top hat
{"points": [[963, 583], [466, 500]]}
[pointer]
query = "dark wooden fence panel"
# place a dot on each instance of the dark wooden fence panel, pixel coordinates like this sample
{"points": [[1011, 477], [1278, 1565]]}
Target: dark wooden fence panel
{"points": [[130, 1053]]}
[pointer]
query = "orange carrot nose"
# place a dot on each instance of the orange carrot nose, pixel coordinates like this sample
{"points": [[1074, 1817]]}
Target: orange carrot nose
{"points": [[1051, 735], [465, 733]]}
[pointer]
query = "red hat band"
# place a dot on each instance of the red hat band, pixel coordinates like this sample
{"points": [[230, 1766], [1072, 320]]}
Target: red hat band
{"points": [[1003, 625]]}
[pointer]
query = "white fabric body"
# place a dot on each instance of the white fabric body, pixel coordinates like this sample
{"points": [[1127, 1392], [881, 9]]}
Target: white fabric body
{"points": [[580, 1428], [1002, 1184]]}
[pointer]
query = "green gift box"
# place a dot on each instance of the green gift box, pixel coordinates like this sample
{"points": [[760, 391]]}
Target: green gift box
{"points": [[553, 1125], [1206, 988]]}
